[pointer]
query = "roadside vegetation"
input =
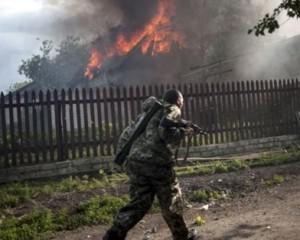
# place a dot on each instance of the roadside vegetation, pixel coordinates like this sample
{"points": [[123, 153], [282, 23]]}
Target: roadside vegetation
{"points": [[41, 222]]}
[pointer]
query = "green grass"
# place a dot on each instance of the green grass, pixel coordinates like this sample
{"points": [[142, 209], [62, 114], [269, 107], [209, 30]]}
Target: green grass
{"points": [[14, 194], [237, 165], [276, 180], [40, 223], [204, 196]]}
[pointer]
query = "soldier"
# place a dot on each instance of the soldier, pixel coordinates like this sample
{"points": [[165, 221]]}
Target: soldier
{"points": [[150, 170]]}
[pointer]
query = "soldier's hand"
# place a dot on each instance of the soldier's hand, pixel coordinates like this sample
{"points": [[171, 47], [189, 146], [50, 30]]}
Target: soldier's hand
{"points": [[189, 131]]}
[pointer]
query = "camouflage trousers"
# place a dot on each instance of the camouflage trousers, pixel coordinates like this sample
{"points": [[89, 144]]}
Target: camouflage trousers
{"points": [[143, 190]]}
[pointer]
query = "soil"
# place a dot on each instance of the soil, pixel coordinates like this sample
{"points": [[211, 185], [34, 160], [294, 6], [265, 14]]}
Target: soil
{"points": [[255, 208]]}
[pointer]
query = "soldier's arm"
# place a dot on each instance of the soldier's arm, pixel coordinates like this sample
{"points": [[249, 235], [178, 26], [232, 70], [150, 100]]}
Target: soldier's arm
{"points": [[171, 133]]}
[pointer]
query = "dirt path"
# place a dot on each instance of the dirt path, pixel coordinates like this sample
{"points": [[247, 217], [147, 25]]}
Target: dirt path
{"points": [[264, 213]]}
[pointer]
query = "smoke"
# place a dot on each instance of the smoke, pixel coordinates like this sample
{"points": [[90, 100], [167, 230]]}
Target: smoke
{"points": [[96, 17]]}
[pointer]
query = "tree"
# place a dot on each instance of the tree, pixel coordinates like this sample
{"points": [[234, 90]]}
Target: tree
{"points": [[56, 69], [37, 67], [270, 22]]}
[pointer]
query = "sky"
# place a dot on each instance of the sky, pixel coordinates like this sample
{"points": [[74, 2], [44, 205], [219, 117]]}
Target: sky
{"points": [[25, 23]]}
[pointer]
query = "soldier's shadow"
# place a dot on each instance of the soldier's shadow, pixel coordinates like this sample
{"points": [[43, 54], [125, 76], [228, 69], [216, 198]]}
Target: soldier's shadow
{"points": [[242, 231]]}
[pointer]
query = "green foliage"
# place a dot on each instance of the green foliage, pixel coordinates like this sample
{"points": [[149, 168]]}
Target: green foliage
{"points": [[29, 227], [14, 194], [199, 221], [99, 210], [50, 69], [270, 21], [203, 196], [276, 180], [38, 223], [236, 165]]}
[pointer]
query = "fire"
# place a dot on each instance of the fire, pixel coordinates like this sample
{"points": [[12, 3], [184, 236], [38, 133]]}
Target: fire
{"points": [[156, 37]]}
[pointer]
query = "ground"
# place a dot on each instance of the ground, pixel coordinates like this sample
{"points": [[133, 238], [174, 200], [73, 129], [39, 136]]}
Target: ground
{"points": [[258, 206]]}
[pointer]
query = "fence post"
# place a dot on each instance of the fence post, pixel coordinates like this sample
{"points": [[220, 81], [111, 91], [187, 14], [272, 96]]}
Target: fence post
{"points": [[58, 126]]}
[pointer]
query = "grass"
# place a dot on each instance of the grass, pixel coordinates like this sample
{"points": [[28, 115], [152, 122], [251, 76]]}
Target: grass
{"points": [[39, 224], [14, 194], [276, 180], [237, 165], [204, 196]]}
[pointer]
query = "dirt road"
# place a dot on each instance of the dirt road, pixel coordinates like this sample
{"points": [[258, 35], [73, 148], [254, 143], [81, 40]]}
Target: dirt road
{"points": [[263, 213]]}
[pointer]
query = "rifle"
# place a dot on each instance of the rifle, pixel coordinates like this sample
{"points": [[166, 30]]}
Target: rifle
{"points": [[183, 124], [140, 128], [197, 131]]}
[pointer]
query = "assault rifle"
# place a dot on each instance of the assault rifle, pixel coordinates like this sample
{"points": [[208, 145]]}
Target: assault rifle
{"points": [[183, 124]]}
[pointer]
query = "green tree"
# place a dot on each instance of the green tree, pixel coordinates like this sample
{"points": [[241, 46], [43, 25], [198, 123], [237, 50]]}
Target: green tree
{"points": [[37, 67], [270, 21], [56, 68]]}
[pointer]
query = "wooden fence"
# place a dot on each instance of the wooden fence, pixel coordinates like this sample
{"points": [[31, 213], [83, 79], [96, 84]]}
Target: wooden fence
{"points": [[41, 127]]}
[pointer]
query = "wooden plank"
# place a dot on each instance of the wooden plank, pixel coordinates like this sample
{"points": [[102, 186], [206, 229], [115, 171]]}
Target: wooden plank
{"points": [[277, 113], [113, 121], [293, 106], [100, 122], [106, 123], [255, 110], [193, 111], [93, 122], [198, 112], [12, 148], [214, 114], [49, 125], [244, 108], [20, 129], [225, 113], [35, 129], [65, 138], [285, 107], [220, 112], [272, 106], [205, 111], [79, 124], [259, 104], [58, 126], [231, 112], [43, 127], [71, 120], [210, 114], [248, 113], [86, 123], [120, 116], [139, 99], [27, 129], [126, 106], [133, 113], [239, 110], [4, 130], [150, 90]]}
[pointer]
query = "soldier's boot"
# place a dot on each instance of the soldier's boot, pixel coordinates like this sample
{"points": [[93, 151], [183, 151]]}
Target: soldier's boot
{"points": [[113, 235]]}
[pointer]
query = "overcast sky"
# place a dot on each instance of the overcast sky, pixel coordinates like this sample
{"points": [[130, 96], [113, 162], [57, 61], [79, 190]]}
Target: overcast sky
{"points": [[24, 23]]}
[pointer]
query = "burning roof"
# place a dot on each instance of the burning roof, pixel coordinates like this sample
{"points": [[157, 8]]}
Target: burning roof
{"points": [[156, 37]]}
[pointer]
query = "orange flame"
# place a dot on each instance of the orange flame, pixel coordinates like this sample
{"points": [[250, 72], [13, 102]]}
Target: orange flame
{"points": [[157, 35]]}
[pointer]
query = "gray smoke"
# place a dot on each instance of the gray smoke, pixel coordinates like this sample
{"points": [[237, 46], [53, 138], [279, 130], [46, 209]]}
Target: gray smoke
{"points": [[96, 17]]}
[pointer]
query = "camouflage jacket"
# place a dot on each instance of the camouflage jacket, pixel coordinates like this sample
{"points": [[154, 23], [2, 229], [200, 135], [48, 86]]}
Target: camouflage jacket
{"points": [[154, 148]]}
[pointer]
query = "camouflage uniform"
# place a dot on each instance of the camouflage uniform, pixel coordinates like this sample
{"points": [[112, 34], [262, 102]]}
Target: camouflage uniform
{"points": [[150, 169]]}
